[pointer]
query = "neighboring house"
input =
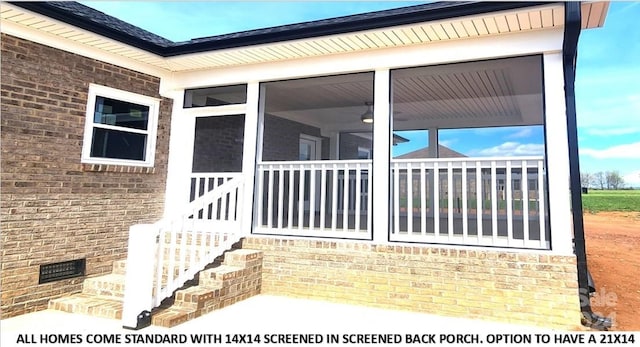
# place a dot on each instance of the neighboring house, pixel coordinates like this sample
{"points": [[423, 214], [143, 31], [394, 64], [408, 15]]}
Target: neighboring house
{"points": [[443, 152], [281, 138]]}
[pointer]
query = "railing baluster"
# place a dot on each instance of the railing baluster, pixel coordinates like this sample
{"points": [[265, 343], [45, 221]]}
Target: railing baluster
{"points": [[160, 261], [312, 197], [494, 203], [465, 220], [396, 198], [409, 199], [450, 193], [436, 200], [423, 200], [280, 195], [323, 195], [525, 202], [334, 198], [183, 249], [541, 205], [357, 197], [260, 193], [508, 184], [269, 198], [301, 199], [345, 199], [479, 201], [290, 206], [369, 203]]}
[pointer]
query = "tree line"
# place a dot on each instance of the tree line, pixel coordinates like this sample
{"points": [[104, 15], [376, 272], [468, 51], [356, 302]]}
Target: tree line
{"points": [[610, 180]]}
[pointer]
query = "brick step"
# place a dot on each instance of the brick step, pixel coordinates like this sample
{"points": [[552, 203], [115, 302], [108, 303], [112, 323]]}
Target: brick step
{"points": [[89, 304], [230, 278], [218, 287], [111, 285], [119, 267]]}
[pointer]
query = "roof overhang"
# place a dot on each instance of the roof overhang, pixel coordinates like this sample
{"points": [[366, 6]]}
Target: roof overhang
{"points": [[450, 21]]}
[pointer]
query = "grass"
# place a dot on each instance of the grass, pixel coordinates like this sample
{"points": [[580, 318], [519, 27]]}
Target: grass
{"points": [[611, 201]]}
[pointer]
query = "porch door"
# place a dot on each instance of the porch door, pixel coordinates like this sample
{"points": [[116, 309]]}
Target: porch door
{"points": [[217, 152]]}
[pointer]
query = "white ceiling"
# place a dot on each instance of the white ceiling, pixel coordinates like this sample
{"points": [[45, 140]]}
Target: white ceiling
{"points": [[501, 92]]}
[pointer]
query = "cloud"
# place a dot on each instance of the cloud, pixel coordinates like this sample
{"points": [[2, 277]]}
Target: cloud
{"points": [[613, 131], [512, 149], [448, 143], [626, 151], [632, 179], [524, 132]]}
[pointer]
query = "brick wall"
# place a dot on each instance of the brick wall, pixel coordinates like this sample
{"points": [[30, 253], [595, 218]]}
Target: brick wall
{"points": [[524, 288], [218, 144], [282, 139], [350, 143], [53, 207]]}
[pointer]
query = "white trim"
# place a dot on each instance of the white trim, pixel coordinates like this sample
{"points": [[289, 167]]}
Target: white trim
{"points": [[96, 90], [252, 117], [57, 42], [490, 47], [381, 148], [557, 155]]}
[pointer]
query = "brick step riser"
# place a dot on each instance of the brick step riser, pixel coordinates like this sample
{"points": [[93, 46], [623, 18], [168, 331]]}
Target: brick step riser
{"points": [[237, 278], [218, 287]]}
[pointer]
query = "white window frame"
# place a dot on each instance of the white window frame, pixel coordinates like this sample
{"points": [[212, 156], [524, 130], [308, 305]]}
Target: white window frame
{"points": [[121, 95]]}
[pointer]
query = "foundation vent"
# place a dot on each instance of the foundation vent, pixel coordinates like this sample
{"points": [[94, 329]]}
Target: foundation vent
{"points": [[62, 270]]}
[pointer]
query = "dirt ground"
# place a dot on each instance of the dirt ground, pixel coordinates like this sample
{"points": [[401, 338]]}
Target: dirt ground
{"points": [[613, 257]]}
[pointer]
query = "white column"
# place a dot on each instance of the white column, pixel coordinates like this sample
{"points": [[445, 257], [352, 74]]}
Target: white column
{"points": [[381, 148], [252, 121], [180, 155], [557, 155]]}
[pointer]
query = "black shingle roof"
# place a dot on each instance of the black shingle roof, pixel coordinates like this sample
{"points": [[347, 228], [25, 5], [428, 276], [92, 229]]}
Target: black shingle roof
{"points": [[95, 21]]}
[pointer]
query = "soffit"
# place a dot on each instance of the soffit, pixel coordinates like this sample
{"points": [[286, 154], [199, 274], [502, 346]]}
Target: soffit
{"points": [[513, 21]]}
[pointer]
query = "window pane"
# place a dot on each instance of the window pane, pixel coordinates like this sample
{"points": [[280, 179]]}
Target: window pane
{"points": [[116, 144], [120, 113], [215, 96]]}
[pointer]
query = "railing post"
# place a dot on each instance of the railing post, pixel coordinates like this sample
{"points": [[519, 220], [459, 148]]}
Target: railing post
{"points": [[138, 292]]}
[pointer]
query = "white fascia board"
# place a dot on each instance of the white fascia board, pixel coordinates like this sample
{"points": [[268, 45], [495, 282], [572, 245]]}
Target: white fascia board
{"points": [[488, 47], [51, 40]]}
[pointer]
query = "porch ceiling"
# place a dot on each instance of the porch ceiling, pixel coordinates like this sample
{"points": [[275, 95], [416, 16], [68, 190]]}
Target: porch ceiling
{"points": [[521, 20], [475, 94]]}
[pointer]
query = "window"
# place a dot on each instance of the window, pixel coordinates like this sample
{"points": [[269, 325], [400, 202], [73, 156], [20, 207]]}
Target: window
{"points": [[215, 96], [364, 153], [120, 127]]}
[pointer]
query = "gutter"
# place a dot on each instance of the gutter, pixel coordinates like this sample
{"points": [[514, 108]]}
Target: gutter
{"points": [[570, 51]]}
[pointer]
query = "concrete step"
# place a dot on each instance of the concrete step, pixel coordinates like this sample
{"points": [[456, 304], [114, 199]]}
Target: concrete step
{"points": [[89, 304], [111, 285]]}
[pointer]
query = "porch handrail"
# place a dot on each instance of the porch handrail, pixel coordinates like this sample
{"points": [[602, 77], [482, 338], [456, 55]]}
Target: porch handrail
{"points": [[164, 255], [314, 198], [485, 201]]}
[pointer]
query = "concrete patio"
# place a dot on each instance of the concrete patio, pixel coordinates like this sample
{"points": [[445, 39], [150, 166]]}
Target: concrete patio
{"points": [[262, 314]]}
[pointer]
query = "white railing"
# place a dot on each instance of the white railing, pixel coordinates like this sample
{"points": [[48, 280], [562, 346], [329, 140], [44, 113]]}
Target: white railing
{"points": [[470, 201], [163, 256], [328, 198], [203, 182]]}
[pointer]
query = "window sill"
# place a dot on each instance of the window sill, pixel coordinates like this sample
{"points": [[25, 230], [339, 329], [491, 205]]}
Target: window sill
{"points": [[118, 168]]}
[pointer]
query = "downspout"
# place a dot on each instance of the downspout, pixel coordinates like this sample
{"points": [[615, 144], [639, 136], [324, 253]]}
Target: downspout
{"points": [[572, 26]]}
